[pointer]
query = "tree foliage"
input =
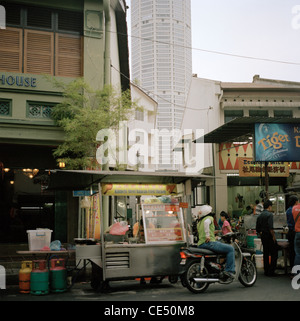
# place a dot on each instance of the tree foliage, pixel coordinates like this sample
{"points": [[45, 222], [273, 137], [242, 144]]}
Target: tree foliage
{"points": [[81, 114]]}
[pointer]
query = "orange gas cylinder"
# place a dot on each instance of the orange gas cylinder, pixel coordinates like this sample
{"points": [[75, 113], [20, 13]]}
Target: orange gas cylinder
{"points": [[24, 276]]}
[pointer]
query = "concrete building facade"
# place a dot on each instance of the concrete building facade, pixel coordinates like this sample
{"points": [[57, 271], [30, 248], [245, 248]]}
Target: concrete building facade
{"points": [[64, 40], [210, 105]]}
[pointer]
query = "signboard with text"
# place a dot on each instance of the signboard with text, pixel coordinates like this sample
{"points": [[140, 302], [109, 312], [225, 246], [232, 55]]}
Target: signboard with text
{"points": [[277, 142], [164, 234], [250, 168], [138, 189]]}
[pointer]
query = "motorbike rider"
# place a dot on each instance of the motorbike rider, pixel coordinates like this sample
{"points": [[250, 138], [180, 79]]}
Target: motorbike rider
{"points": [[207, 240]]}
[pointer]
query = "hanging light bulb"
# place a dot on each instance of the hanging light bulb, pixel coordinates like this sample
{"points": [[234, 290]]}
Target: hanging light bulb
{"points": [[30, 172], [62, 164]]}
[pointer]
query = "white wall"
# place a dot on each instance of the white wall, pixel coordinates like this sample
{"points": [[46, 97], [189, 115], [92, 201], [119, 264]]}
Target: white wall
{"points": [[202, 110], [145, 126]]}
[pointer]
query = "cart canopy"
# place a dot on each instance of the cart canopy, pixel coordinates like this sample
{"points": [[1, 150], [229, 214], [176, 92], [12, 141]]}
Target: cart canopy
{"points": [[81, 179]]}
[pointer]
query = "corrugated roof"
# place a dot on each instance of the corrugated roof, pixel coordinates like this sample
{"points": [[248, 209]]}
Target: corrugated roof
{"points": [[240, 129]]}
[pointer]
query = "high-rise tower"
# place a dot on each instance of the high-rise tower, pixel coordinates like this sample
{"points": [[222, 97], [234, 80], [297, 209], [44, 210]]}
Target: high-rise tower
{"points": [[161, 62]]}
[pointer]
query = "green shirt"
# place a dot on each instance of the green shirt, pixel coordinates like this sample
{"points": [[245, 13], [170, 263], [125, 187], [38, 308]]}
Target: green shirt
{"points": [[201, 230]]}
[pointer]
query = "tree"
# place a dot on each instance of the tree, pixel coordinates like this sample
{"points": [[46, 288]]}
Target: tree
{"points": [[81, 114]]}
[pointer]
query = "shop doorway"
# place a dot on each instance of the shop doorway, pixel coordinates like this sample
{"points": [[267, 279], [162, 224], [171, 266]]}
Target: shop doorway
{"points": [[24, 205]]}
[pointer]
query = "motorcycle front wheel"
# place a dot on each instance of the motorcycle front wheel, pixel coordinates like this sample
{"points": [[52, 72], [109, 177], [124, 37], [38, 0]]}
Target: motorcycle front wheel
{"points": [[194, 271], [248, 273]]}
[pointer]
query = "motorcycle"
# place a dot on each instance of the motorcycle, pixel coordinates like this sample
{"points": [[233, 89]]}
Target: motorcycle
{"points": [[202, 267]]}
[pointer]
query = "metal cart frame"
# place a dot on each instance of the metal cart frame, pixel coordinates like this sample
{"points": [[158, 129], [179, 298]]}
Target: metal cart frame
{"points": [[127, 261]]}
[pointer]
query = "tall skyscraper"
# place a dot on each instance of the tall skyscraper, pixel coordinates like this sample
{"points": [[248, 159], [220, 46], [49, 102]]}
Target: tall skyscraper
{"points": [[161, 63]]}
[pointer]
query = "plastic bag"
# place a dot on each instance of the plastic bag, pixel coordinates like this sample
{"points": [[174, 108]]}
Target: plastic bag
{"points": [[55, 245], [85, 203], [119, 228]]}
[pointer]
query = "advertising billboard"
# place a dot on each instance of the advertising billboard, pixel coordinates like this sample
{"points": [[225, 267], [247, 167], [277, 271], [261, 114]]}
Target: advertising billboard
{"points": [[277, 142]]}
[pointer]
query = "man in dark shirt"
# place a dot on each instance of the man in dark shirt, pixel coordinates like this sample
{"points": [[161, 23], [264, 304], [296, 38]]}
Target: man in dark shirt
{"points": [[265, 229]]}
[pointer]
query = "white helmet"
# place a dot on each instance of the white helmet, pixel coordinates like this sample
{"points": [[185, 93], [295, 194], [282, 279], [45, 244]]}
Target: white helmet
{"points": [[204, 210]]}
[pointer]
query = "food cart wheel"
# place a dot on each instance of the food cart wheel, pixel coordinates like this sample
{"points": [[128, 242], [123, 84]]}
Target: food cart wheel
{"points": [[103, 287], [182, 280], [97, 282], [173, 279]]}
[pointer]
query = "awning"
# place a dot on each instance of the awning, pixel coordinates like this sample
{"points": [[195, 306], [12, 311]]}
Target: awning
{"points": [[294, 188], [240, 129], [81, 179]]}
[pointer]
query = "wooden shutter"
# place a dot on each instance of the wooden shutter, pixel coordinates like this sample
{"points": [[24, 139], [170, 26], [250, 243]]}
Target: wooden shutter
{"points": [[38, 52], [68, 56], [11, 49]]}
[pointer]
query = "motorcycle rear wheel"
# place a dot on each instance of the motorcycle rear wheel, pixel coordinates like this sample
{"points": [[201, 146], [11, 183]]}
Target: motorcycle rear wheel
{"points": [[194, 271], [248, 273]]}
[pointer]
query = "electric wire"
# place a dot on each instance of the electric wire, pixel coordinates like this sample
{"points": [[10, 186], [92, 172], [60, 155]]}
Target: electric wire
{"points": [[210, 51], [162, 98]]}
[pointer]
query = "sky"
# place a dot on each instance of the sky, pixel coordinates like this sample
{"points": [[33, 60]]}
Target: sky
{"points": [[268, 31]]}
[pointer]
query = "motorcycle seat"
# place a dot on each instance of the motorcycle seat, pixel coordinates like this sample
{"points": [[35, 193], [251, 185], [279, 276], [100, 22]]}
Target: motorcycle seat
{"points": [[196, 250]]}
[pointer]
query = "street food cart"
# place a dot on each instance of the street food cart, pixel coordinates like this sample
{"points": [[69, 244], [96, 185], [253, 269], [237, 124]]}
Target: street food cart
{"points": [[164, 223]]}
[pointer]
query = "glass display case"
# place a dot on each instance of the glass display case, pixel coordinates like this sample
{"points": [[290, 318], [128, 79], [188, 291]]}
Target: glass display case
{"points": [[278, 201], [163, 223]]}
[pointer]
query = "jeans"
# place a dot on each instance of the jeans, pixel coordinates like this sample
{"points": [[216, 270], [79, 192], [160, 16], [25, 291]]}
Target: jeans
{"points": [[222, 248], [297, 248]]}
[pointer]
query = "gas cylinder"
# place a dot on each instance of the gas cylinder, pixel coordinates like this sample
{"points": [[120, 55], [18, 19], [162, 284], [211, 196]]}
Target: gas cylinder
{"points": [[24, 276], [58, 275], [39, 282]]}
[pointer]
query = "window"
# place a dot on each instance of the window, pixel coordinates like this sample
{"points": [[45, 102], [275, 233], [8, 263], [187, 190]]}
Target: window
{"points": [[68, 55], [283, 113], [13, 13], [39, 17], [11, 49], [259, 113], [42, 41], [139, 137], [43, 18], [139, 115], [38, 52], [5, 107], [39, 110], [231, 114]]}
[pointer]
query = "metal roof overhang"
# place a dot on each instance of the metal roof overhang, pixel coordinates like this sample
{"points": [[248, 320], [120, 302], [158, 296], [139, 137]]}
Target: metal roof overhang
{"points": [[240, 129], [82, 179], [294, 188]]}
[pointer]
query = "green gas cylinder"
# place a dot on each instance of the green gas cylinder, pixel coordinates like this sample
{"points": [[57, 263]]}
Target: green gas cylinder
{"points": [[58, 275], [39, 279]]}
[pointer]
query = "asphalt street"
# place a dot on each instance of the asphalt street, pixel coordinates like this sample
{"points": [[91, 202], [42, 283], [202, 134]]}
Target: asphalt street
{"points": [[265, 289]]}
